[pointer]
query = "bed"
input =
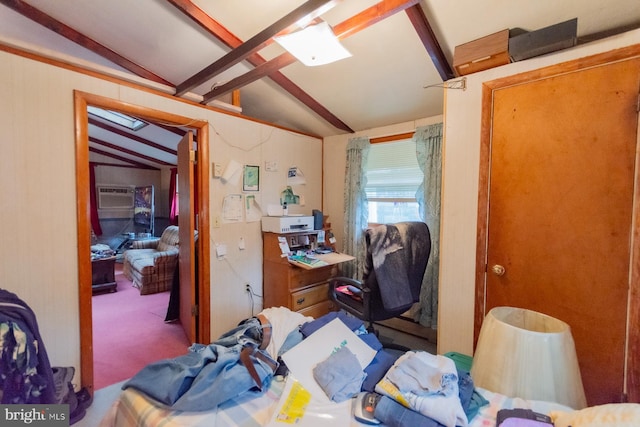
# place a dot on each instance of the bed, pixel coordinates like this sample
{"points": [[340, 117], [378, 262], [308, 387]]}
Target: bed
{"points": [[134, 408]]}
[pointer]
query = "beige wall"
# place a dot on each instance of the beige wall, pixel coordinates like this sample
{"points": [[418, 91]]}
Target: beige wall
{"points": [[38, 260]]}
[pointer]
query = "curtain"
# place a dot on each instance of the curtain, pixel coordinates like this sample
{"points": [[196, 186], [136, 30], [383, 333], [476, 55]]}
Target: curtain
{"points": [[93, 201], [429, 153], [173, 198], [355, 205]]}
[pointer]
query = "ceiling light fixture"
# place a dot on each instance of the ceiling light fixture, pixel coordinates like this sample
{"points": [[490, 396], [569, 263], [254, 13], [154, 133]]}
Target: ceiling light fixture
{"points": [[314, 45]]}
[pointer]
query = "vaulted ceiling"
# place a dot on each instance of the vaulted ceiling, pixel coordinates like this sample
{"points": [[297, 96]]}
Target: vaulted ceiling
{"points": [[206, 49]]}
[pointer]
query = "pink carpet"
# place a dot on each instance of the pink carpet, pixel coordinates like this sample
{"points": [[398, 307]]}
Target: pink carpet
{"points": [[129, 332]]}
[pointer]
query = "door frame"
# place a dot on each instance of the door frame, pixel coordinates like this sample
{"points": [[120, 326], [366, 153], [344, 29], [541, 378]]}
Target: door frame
{"points": [[81, 101], [632, 376]]}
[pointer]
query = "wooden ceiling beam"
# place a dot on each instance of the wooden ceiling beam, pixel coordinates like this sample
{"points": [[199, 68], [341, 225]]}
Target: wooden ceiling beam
{"points": [[128, 135], [127, 151], [173, 129], [370, 16], [229, 39], [132, 163], [356, 23], [427, 36], [58, 27], [255, 43], [117, 165]]}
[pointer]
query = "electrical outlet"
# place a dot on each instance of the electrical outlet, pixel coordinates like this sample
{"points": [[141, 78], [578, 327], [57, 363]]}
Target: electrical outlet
{"points": [[247, 288]]}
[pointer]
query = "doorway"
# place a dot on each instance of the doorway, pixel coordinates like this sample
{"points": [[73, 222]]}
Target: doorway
{"points": [[199, 292], [558, 194]]}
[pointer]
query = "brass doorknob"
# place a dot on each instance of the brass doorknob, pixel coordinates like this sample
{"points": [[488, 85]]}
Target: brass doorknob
{"points": [[498, 270]]}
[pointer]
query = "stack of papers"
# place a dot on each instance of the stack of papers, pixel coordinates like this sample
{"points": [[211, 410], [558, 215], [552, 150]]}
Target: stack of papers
{"points": [[308, 261]]}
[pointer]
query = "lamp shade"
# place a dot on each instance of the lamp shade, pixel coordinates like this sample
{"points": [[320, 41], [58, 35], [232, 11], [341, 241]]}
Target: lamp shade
{"points": [[526, 354]]}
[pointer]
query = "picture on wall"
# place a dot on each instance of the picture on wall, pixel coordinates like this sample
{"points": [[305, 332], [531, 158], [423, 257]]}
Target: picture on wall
{"points": [[251, 178], [143, 210]]}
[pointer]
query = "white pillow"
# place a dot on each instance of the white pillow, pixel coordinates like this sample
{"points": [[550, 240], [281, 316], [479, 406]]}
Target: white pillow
{"points": [[609, 415]]}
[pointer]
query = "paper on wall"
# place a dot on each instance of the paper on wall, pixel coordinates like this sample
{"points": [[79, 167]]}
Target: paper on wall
{"points": [[232, 208], [252, 213], [317, 347], [231, 173], [295, 176]]}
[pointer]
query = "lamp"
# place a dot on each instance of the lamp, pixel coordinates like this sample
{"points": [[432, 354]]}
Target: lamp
{"points": [[316, 44], [526, 354]]}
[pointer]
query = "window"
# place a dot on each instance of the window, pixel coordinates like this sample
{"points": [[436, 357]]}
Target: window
{"points": [[121, 119], [393, 177]]}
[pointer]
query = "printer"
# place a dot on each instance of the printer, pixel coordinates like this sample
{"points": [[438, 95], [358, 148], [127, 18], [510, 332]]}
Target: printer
{"points": [[287, 224]]}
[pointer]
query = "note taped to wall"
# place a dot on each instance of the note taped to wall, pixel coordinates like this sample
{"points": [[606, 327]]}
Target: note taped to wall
{"points": [[232, 208], [252, 211]]}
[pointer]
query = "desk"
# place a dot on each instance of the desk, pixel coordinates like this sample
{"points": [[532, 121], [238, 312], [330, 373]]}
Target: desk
{"points": [[329, 259], [103, 275], [299, 287]]}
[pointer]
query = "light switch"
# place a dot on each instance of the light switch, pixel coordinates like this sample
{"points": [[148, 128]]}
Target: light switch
{"points": [[241, 245], [217, 170]]}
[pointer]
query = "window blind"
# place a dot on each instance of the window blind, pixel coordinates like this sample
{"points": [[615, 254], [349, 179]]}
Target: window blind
{"points": [[392, 171]]}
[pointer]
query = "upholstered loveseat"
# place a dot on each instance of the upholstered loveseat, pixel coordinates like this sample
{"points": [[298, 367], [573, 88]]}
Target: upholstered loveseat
{"points": [[150, 264]]}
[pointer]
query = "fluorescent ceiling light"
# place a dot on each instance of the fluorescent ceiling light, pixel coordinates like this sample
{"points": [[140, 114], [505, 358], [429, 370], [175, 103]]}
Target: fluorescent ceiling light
{"points": [[314, 45], [118, 118]]}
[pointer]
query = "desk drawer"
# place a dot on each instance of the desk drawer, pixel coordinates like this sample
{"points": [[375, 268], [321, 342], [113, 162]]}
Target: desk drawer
{"points": [[309, 297], [318, 310], [300, 277]]}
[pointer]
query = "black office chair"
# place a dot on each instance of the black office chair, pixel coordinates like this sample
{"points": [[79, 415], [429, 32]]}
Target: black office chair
{"points": [[396, 257]]}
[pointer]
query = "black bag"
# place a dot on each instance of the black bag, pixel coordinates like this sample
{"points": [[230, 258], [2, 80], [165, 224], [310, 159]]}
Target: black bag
{"points": [[522, 418]]}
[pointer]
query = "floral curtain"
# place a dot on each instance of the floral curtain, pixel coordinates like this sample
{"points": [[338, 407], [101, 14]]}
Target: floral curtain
{"points": [[429, 153], [93, 201], [355, 205], [173, 198]]}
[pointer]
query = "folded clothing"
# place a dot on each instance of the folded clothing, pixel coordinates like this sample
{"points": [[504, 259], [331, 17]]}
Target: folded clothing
{"points": [[406, 385], [340, 375]]}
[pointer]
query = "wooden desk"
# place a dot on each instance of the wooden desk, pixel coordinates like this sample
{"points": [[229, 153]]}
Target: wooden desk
{"points": [[329, 259], [299, 287], [103, 275]]}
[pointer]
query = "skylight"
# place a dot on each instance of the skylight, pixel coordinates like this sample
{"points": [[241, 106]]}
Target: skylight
{"points": [[121, 119]]}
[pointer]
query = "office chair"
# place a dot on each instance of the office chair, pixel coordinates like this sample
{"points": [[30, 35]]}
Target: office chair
{"points": [[396, 257]]}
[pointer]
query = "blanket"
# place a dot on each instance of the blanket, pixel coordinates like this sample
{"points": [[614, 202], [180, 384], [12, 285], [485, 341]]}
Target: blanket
{"points": [[399, 255]]}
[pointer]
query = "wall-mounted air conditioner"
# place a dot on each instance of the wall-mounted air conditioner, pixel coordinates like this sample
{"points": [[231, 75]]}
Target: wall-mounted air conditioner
{"points": [[115, 197]]}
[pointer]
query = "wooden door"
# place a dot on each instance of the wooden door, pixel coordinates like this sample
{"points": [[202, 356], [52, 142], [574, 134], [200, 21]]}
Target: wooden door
{"points": [[186, 224], [561, 189]]}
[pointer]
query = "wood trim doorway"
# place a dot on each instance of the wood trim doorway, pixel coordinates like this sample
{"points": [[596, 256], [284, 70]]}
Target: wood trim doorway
{"points": [[632, 374], [81, 101]]}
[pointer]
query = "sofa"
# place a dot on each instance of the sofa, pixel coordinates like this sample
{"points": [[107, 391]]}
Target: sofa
{"points": [[151, 264]]}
